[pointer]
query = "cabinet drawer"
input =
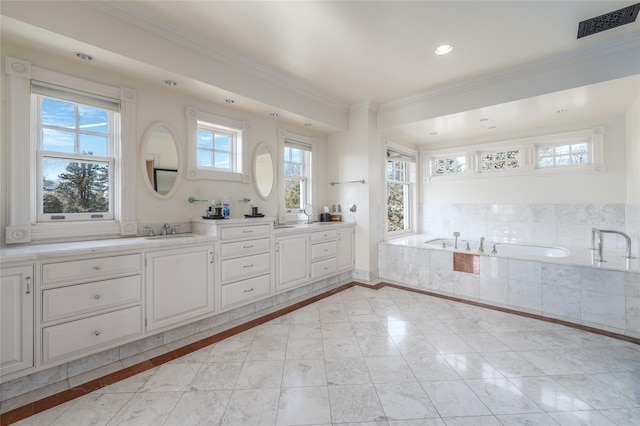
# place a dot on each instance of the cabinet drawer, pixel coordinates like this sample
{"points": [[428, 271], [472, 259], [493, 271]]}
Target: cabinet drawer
{"points": [[324, 267], [245, 247], [245, 291], [318, 236], [250, 231], [90, 268], [65, 340], [64, 302], [247, 266], [323, 250]]}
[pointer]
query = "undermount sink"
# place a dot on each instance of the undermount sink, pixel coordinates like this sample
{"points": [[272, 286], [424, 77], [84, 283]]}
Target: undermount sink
{"points": [[283, 226], [162, 237]]}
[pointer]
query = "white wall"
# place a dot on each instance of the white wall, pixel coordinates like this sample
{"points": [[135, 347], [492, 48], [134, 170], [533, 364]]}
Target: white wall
{"points": [[157, 102], [633, 153]]}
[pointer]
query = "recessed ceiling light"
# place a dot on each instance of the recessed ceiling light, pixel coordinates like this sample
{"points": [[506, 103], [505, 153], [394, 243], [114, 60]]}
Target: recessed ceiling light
{"points": [[229, 101], [307, 124], [562, 111], [274, 114], [84, 56], [170, 83], [491, 127], [433, 133], [482, 120], [444, 49]]}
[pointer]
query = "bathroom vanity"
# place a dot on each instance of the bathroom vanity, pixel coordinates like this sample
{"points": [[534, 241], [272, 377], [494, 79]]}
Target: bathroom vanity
{"points": [[65, 303]]}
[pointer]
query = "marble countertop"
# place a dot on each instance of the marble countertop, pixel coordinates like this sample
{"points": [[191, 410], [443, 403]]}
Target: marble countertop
{"points": [[35, 252]]}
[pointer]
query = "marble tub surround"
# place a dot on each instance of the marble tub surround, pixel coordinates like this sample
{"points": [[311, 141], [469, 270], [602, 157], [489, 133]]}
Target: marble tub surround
{"points": [[359, 354], [565, 225], [604, 296]]}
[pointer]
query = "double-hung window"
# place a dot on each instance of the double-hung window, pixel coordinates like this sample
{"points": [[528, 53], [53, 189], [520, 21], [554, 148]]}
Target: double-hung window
{"points": [[75, 139], [217, 148], [401, 190], [297, 175]]}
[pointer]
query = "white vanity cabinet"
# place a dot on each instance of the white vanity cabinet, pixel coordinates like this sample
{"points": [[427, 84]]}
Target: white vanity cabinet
{"points": [[89, 304], [179, 285], [292, 261], [246, 263], [16, 319], [346, 249], [324, 249]]}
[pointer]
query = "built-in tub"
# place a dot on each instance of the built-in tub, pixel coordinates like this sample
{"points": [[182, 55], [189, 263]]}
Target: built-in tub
{"points": [[562, 283], [502, 249]]}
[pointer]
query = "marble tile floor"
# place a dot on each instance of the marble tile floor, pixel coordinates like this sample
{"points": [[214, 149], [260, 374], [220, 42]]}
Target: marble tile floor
{"points": [[383, 356]]}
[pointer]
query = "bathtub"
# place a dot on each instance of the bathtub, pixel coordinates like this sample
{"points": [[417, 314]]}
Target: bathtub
{"points": [[505, 249]]}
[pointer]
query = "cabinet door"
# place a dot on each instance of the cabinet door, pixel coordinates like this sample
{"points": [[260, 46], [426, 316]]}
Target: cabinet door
{"points": [[16, 319], [292, 261], [179, 285], [346, 256]]}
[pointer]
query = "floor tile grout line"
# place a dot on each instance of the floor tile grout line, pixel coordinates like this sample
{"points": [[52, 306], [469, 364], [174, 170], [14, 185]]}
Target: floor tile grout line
{"points": [[88, 387]]}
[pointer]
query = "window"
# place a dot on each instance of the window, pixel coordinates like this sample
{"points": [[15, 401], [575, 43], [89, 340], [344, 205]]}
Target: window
{"points": [[562, 155], [449, 165], [75, 157], [297, 175], [499, 160], [216, 147], [401, 191]]}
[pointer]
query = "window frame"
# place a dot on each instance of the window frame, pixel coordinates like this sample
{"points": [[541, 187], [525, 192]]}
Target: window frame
{"points": [[289, 215], [22, 225], [240, 171], [411, 183], [41, 154]]}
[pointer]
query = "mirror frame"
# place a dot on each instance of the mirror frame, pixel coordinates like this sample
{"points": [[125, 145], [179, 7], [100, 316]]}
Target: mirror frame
{"points": [[143, 154], [254, 159]]}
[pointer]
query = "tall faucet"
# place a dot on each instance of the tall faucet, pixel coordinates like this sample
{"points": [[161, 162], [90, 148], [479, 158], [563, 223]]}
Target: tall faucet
{"points": [[481, 246], [165, 228], [455, 244], [600, 234]]}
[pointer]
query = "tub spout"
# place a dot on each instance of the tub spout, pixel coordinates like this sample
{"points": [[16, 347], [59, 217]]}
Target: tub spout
{"points": [[599, 233], [481, 246]]}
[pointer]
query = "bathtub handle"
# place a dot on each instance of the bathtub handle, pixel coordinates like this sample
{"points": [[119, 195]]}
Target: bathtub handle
{"points": [[468, 247], [493, 250]]}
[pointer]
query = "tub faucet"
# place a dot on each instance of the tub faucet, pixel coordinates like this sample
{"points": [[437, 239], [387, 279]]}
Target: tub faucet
{"points": [[599, 233], [455, 244], [481, 246]]}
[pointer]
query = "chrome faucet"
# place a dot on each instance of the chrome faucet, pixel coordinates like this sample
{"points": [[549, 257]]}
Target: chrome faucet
{"points": [[455, 244], [481, 246], [165, 228], [599, 233]]}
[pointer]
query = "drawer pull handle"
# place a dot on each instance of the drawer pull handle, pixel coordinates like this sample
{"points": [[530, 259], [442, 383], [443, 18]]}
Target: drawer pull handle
{"points": [[249, 266], [247, 247], [249, 291], [97, 332], [28, 285], [247, 232], [326, 268], [97, 296], [326, 249], [97, 268]]}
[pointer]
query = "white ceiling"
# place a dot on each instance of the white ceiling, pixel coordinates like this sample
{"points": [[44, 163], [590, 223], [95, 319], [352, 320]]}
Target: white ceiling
{"points": [[380, 51]]}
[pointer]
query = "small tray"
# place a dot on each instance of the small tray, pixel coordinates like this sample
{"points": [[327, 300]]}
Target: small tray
{"points": [[254, 215], [213, 217]]}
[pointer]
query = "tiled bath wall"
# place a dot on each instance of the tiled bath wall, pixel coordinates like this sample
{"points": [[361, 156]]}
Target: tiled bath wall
{"points": [[74, 373], [605, 299], [546, 224]]}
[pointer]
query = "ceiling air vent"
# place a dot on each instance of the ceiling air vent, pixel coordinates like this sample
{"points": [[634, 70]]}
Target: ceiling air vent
{"points": [[608, 20]]}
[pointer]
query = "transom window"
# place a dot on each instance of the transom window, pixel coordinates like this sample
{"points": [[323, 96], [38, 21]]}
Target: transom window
{"points": [[216, 148], [449, 165], [562, 155], [75, 154], [499, 160]]}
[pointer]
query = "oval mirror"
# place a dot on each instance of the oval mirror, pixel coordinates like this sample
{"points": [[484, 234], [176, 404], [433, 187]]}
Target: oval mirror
{"points": [[263, 170], [160, 159]]}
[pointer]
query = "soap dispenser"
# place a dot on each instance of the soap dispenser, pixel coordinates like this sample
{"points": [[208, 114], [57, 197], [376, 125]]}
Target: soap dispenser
{"points": [[226, 207]]}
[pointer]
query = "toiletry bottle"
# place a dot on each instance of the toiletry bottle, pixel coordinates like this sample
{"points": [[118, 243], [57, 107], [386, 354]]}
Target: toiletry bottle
{"points": [[226, 207]]}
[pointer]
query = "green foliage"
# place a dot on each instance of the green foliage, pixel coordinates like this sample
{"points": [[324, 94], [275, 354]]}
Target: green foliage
{"points": [[82, 188], [395, 206], [292, 194]]}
